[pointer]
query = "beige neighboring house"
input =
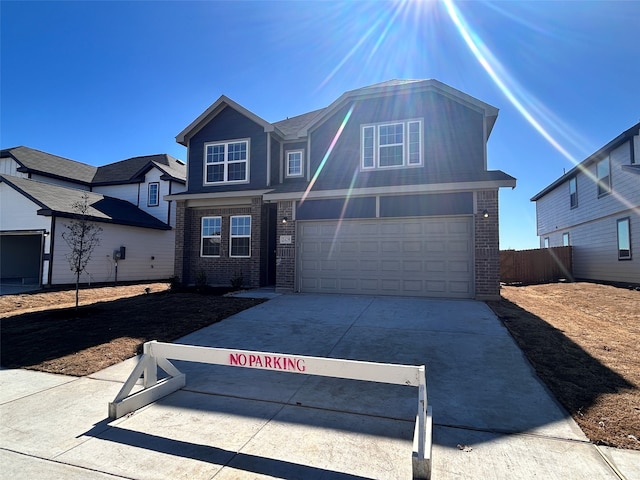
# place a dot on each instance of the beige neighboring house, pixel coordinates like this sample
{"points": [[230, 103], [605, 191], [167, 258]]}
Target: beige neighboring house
{"points": [[126, 198]]}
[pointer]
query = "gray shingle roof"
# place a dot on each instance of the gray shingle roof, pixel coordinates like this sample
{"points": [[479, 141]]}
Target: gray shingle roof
{"points": [[291, 126], [126, 171], [131, 169], [54, 199], [44, 163]]}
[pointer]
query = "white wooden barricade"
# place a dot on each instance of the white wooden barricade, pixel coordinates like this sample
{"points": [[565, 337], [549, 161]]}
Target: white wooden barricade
{"points": [[157, 354]]}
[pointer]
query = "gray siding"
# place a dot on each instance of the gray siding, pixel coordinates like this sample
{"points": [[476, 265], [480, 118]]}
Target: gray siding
{"points": [[592, 226]]}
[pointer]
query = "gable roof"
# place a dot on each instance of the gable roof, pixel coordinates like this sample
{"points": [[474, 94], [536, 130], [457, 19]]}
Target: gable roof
{"points": [[299, 126], [125, 171], [57, 200], [395, 87], [214, 109], [594, 157], [132, 169], [35, 161]]}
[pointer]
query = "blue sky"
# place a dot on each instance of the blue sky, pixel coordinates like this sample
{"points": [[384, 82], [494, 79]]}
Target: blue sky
{"points": [[99, 82]]}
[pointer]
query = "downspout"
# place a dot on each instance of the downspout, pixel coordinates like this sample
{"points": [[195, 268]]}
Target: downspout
{"points": [[52, 237], [169, 204], [268, 159]]}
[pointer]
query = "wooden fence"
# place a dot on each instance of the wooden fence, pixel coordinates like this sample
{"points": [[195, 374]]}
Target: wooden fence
{"points": [[536, 266]]}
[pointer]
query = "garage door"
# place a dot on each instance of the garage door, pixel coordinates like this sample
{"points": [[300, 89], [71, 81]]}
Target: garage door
{"points": [[427, 257], [20, 258]]}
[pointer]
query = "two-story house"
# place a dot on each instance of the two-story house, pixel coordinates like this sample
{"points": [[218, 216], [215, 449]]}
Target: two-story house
{"points": [[595, 208], [386, 191], [37, 194]]}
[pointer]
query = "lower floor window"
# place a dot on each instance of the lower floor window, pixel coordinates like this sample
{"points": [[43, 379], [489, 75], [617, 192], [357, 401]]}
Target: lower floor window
{"points": [[624, 239], [240, 238], [211, 235]]}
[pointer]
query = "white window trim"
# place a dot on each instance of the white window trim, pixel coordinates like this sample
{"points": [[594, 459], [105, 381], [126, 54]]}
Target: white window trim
{"points": [[546, 243], [573, 180], [289, 152], [203, 236], [618, 222], [598, 180], [149, 204], [232, 236], [405, 145], [568, 237], [226, 161]]}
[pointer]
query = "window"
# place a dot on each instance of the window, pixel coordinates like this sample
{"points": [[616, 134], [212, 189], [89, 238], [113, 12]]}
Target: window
{"points": [[294, 163], [624, 239], [241, 236], [565, 239], [211, 231], [153, 198], [546, 242], [573, 192], [227, 162], [392, 145], [603, 176]]}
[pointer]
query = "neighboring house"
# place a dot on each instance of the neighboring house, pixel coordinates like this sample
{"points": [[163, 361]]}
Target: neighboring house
{"points": [[386, 191], [595, 208], [37, 193]]}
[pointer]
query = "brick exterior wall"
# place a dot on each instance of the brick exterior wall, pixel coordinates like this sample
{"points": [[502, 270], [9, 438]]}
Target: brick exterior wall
{"points": [[487, 246], [286, 254], [218, 270]]}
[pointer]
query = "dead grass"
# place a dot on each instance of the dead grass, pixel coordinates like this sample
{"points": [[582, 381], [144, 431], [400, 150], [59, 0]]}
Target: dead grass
{"points": [[583, 340], [110, 326]]}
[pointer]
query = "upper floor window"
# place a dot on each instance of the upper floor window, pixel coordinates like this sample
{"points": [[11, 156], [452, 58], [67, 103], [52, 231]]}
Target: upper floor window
{"points": [[227, 162], [153, 197], [294, 163], [546, 242], [389, 145], [565, 239], [240, 236], [604, 177], [624, 239], [573, 192], [211, 236]]}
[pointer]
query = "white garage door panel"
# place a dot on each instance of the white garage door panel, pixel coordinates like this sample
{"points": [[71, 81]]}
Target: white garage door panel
{"points": [[416, 256]]}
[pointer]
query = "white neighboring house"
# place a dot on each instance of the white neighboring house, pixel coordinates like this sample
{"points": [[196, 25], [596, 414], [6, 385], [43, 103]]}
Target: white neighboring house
{"points": [[595, 208], [37, 193]]}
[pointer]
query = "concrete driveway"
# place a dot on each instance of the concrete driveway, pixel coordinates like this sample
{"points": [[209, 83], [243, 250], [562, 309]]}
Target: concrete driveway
{"points": [[492, 416]]}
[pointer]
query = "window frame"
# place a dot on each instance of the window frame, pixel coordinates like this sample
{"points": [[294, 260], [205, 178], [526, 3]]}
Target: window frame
{"points": [[573, 195], [157, 202], [233, 236], [214, 236], [371, 145], [566, 239], [227, 161], [288, 153], [603, 188], [619, 222], [546, 242]]}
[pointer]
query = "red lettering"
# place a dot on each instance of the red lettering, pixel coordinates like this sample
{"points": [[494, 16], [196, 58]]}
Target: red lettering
{"points": [[276, 363], [301, 366], [242, 359], [267, 362], [233, 359], [252, 360], [289, 364], [259, 361]]}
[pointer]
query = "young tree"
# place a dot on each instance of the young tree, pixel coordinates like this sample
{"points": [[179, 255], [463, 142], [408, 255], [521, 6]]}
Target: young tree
{"points": [[82, 236]]}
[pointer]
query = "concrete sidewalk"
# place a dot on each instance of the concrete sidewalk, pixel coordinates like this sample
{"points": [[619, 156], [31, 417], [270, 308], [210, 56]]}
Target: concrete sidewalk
{"points": [[492, 417]]}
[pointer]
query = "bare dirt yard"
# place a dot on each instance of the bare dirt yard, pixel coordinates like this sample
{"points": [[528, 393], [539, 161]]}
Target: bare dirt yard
{"points": [[583, 341], [581, 338], [43, 331]]}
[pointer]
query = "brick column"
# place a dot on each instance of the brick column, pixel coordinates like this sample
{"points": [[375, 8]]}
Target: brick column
{"points": [[487, 246], [286, 254], [178, 261]]}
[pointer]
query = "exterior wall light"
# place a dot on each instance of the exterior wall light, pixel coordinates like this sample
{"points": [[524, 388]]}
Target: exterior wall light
{"points": [[284, 220], [485, 213]]}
